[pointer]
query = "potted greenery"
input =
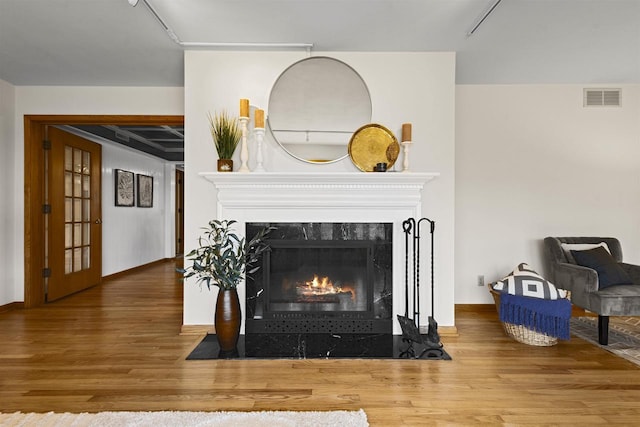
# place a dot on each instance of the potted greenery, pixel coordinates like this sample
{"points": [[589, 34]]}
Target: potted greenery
{"points": [[226, 134], [223, 259]]}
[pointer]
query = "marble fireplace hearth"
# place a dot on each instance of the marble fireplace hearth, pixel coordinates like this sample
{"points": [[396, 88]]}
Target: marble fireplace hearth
{"points": [[320, 346], [322, 198]]}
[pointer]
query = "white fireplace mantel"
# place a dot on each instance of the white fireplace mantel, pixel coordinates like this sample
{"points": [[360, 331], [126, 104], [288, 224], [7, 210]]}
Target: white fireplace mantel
{"points": [[325, 197], [305, 179], [329, 190]]}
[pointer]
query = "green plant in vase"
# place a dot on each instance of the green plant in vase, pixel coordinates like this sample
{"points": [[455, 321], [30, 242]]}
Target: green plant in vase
{"points": [[226, 135], [224, 259]]}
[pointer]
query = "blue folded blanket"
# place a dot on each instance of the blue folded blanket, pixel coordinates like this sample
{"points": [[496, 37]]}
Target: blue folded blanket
{"points": [[550, 317]]}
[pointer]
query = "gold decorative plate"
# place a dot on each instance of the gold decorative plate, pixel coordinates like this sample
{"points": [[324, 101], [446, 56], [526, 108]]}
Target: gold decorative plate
{"points": [[373, 144]]}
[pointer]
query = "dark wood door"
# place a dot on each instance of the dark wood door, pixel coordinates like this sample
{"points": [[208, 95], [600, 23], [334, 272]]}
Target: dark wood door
{"points": [[74, 225]]}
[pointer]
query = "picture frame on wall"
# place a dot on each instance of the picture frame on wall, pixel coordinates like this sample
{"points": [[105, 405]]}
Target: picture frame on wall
{"points": [[145, 191], [124, 188]]}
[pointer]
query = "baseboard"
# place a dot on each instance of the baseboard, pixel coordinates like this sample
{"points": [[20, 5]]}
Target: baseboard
{"points": [[11, 306], [447, 331], [197, 329], [443, 331], [136, 269], [474, 308]]}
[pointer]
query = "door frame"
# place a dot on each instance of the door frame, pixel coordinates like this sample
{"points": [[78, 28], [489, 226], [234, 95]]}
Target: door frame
{"points": [[179, 217], [34, 131]]}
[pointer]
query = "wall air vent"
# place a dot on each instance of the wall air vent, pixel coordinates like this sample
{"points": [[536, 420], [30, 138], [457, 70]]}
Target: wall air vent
{"points": [[602, 97]]}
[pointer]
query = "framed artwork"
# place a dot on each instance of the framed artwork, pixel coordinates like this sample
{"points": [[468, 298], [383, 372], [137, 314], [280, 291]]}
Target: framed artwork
{"points": [[145, 191], [124, 187]]}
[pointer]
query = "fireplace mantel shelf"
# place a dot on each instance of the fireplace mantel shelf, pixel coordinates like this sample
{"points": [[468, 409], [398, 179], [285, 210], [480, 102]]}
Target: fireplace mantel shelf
{"points": [[290, 190], [306, 179]]}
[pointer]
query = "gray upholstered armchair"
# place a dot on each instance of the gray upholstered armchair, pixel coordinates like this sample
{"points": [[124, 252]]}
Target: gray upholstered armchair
{"points": [[583, 282]]}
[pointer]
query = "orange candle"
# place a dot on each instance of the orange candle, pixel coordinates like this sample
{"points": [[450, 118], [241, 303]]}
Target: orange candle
{"points": [[259, 119], [406, 132], [244, 107]]}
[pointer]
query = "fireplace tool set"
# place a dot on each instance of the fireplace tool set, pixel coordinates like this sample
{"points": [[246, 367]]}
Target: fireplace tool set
{"points": [[429, 345]]}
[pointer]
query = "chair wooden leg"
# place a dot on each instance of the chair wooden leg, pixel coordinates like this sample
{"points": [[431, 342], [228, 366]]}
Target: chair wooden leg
{"points": [[603, 330]]}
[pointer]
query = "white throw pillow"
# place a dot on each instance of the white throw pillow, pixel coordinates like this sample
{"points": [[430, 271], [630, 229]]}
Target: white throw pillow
{"points": [[568, 247], [525, 281]]}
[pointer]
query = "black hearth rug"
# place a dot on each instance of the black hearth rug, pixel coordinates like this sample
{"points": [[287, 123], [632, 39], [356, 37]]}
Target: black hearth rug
{"points": [[311, 346]]}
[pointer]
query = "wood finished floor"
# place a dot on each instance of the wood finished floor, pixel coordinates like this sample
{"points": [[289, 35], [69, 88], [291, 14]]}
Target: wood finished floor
{"points": [[117, 347]]}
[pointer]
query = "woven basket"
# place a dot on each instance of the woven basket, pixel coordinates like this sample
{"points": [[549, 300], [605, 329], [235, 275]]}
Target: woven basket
{"points": [[521, 333]]}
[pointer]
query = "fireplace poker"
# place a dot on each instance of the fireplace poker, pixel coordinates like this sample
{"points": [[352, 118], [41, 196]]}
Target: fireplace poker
{"points": [[407, 226], [432, 225]]}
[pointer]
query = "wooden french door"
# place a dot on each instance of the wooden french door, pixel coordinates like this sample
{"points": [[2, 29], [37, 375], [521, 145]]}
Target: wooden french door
{"points": [[73, 224]]}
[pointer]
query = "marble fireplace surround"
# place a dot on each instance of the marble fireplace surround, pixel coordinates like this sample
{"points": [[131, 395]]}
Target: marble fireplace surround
{"points": [[325, 197]]}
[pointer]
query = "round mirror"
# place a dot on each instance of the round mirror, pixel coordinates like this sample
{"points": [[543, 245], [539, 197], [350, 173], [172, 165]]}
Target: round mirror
{"points": [[315, 106]]}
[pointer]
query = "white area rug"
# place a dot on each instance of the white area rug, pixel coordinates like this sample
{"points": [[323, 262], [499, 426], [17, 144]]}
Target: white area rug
{"points": [[191, 419]]}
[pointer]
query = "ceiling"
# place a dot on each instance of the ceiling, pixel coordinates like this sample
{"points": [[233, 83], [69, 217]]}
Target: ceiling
{"points": [[165, 142], [111, 43]]}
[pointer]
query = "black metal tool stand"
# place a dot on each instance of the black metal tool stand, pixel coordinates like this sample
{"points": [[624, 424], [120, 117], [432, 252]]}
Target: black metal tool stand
{"points": [[430, 344]]}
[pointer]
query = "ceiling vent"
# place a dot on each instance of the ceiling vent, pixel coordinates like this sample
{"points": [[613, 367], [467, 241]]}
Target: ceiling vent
{"points": [[602, 97]]}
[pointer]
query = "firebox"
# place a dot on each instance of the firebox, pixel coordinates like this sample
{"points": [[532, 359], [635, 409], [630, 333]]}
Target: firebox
{"points": [[333, 278]]}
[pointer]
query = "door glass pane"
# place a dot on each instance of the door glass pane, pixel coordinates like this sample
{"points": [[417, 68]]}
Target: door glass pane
{"points": [[77, 160], [68, 184], [77, 210], [68, 209], [68, 235], [77, 185], [77, 259], [86, 233], [68, 158], [86, 186], [86, 260], [86, 162], [86, 210], [68, 261], [77, 234]]}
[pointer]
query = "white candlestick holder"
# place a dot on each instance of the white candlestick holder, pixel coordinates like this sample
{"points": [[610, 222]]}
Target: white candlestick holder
{"points": [[244, 149], [259, 133], [406, 145]]}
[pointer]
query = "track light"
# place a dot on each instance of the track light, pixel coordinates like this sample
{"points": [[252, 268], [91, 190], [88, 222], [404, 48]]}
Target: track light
{"points": [[174, 37], [484, 16]]}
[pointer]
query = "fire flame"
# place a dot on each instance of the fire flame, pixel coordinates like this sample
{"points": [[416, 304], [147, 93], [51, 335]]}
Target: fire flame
{"points": [[323, 286]]}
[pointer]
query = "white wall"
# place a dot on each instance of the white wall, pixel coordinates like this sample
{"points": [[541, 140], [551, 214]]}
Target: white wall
{"points": [[7, 193], [405, 87], [78, 100], [133, 236], [532, 162]]}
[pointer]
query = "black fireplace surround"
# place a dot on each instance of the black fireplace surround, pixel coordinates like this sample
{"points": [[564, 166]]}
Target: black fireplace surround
{"points": [[321, 285]]}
